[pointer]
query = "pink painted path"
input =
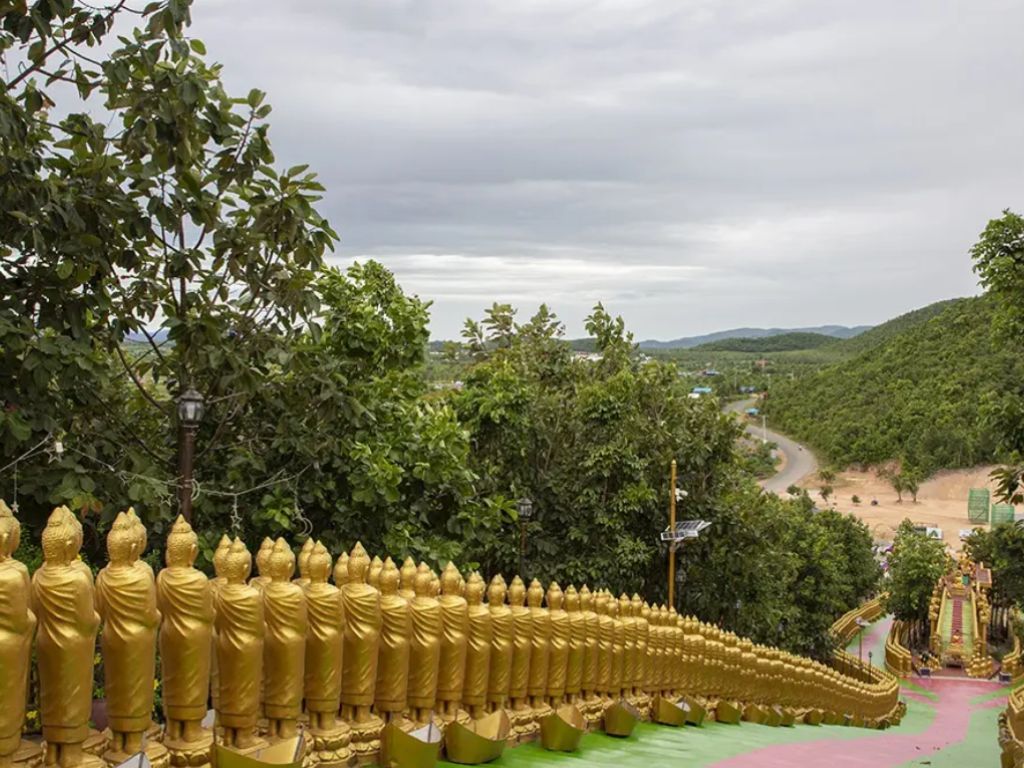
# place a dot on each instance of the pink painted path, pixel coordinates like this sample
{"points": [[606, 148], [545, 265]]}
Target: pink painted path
{"points": [[879, 749]]}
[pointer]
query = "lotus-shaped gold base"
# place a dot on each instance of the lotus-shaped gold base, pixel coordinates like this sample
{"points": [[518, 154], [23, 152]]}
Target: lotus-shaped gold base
{"points": [[696, 712], [415, 749], [754, 713], [788, 718], [562, 730], [620, 718], [479, 741], [287, 753], [668, 712], [814, 717]]}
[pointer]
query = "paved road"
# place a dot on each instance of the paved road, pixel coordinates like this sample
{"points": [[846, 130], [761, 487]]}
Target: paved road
{"points": [[800, 462]]}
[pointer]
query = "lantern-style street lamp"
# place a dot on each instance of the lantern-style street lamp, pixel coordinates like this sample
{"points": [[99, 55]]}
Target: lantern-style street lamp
{"points": [[525, 508], [190, 412]]}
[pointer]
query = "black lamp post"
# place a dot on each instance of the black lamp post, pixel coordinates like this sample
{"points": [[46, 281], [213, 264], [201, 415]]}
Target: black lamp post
{"points": [[525, 508], [190, 413]]}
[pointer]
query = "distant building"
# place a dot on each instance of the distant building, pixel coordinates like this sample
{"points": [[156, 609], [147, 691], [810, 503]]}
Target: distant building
{"points": [[590, 357], [710, 372], [698, 391]]}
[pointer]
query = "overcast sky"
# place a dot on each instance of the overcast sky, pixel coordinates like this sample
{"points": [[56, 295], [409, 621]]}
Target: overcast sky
{"points": [[694, 164]]}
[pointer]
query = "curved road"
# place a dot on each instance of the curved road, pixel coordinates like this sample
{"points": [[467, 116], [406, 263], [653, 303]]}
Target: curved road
{"points": [[800, 462]]}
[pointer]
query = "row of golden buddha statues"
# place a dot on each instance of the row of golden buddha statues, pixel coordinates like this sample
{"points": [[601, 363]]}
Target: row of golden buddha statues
{"points": [[381, 646]]}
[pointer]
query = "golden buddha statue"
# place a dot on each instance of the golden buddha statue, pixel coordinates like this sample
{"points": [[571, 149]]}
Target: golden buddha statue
{"points": [[262, 563], [17, 629], [126, 602], [393, 658], [499, 672], [220, 557], [642, 683], [519, 675], [618, 676], [455, 625], [540, 651], [630, 662], [185, 601], [558, 658], [304, 554], [373, 575], [407, 580], [240, 637], [284, 647], [138, 531], [605, 647], [589, 690], [424, 648], [655, 650], [478, 649], [325, 613], [577, 645], [363, 622], [63, 599], [341, 570]]}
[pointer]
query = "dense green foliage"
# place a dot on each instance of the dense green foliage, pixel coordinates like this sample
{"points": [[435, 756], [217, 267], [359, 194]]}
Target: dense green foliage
{"points": [[927, 396], [1002, 550], [783, 342], [878, 335], [915, 566]]}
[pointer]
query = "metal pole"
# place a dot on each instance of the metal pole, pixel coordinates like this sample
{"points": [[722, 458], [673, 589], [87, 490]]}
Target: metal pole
{"points": [[186, 456], [672, 546], [522, 549], [860, 646]]}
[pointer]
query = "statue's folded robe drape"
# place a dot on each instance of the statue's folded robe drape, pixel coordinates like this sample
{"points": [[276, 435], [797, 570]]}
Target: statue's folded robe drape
{"points": [[362, 639], [239, 654], [284, 650], [17, 627], [185, 599], [324, 642]]}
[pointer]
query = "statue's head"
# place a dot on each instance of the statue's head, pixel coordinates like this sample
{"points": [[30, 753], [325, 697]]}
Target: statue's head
{"points": [[138, 532], [586, 599], [408, 575], [435, 584], [122, 541], [10, 531], [182, 545], [601, 602], [475, 589], [451, 580], [423, 581], [613, 607], [535, 594], [238, 564], [318, 564], [60, 538], [555, 596], [304, 553], [572, 599], [341, 570], [517, 592], [388, 578], [263, 556], [220, 555], [282, 561], [373, 575], [638, 604], [625, 607], [497, 590], [358, 564]]}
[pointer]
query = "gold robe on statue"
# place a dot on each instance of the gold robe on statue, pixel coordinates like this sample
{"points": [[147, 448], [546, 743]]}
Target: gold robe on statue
{"points": [[577, 647], [540, 650], [478, 656], [325, 612], [605, 661], [185, 600], [558, 660], [452, 667], [17, 628], [362, 643], [500, 666], [63, 601], [424, 652], [240, 640], [393, 658], [126, 600], [522, 646], [284, 649]]}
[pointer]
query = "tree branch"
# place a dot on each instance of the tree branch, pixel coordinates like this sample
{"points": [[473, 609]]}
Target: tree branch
{"points": [[145, 393]]}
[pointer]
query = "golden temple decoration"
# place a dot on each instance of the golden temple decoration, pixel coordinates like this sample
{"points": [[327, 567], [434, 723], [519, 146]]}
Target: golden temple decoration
{"points": [[478, 649], [185, 600], [396, 630], [424, 648], [17, 629], [540, 653], [500, 670], [558, 658], [577, 646], [284, 648], [523, 726], [363, 623], [324, 638], [454, 627], [63, 599]]}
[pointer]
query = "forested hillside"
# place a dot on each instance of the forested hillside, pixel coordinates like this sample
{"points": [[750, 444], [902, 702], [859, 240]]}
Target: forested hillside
{"points": [[784, 342], [929, 394]]}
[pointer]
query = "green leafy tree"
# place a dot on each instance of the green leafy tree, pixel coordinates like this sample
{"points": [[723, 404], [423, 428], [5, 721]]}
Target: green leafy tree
{"points": [[1002, 550], [915, 566]]}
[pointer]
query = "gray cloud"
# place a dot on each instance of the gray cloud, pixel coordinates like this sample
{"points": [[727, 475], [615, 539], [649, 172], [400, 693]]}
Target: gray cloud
{"points": [[693, 164]]}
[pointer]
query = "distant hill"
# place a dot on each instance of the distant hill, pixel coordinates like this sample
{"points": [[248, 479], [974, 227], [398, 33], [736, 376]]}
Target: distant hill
{"points": [[922, 390], [687, 342], [783, 342]]}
